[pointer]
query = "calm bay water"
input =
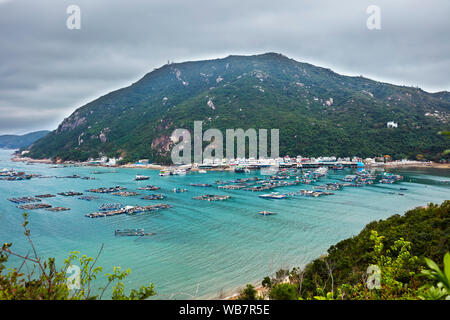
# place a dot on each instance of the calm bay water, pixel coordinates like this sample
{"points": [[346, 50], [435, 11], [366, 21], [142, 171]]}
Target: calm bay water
{"points": [[212, 247]]}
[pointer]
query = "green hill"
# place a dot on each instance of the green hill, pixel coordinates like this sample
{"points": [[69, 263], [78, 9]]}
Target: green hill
{"points": [[318, 112], [20, 141]]}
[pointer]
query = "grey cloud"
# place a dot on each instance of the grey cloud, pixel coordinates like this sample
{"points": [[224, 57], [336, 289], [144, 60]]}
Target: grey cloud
{"points": [[46, 70]]}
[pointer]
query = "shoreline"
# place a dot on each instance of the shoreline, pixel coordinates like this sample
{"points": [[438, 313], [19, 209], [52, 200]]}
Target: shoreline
{"points": [[388, 165]]}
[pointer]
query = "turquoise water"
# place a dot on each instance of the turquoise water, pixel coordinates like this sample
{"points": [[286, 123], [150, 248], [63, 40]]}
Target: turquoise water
{"points": [[212, 247]]}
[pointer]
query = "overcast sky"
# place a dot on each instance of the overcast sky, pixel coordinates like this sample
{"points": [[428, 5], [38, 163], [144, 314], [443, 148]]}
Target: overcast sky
{"points": [[47, 70]]}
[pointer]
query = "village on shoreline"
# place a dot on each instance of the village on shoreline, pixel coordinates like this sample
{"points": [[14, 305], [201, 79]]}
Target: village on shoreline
{"points": [[231, 165]]}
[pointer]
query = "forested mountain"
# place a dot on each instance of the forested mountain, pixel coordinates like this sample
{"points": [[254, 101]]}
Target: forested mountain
{"points": [[20, 141], [318, 112]]}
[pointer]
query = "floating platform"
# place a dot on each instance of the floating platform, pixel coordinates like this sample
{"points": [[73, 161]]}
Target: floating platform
{"points": [[24, 200], [125, 194], [132, 233], [45, 196], [149, 188], [212, 197], [57, 209], [70, 194], [154, 197], [34, 206]]}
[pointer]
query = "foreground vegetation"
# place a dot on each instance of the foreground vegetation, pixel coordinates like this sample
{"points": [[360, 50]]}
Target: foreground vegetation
{"points": [[389, 259], [38, 279]]}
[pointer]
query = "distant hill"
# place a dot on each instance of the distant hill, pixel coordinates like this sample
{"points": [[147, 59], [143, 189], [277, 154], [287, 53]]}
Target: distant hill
{"points": [[17, 141], [318, 112]]}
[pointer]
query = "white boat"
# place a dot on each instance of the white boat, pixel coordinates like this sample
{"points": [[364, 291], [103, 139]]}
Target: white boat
{"points": [[201, 171], [164, 173], [179, 172], [140, 178]]}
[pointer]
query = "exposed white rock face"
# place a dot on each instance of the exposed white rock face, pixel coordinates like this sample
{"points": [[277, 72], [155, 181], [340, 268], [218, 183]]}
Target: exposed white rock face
{"points": [[71, 123], [210, 104], [368, 93], [219, 78], [329, 102], [80, 140], [102, 137], [178, 75]]}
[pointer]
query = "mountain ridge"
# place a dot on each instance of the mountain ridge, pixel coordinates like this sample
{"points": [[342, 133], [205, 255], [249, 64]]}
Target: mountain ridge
{"points": [[330, 113], [12, 141]]}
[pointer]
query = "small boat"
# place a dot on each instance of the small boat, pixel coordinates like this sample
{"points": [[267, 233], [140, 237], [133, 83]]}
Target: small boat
{"points": [[165, 173], [201, 171], [140, 178], [266, 213], [179, 190], [179, 172]]}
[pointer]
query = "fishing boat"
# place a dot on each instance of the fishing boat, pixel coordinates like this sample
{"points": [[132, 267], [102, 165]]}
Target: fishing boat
{"points": [[154, 197], [165, 173], [179, 190], [239, 169], [149, 188], [140, 178], [179, 172], [266, 213]]}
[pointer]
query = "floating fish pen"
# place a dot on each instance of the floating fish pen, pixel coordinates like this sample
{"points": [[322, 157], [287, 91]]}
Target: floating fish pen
{"points": [[57, 209], [154, 197], [24, 200], [130, 210], [132, 233], [179, 190], [274, 195], [110, 206], [149, 188], [34, 206], [212, 197], [74, 176], [70, 194], [205, 185], [264, 187], [45, 196], [125, 194], [312, 193], [16, 178], [233, 186], [107, 190], [87, 198]]}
